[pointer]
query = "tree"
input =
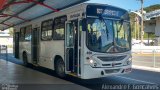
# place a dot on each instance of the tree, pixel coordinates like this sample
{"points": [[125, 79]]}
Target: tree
{"points": [[132, 18], [11, 31], [152, 8]]}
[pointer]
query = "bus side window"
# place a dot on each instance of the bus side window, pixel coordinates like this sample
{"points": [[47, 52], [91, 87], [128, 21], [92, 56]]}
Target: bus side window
{"points": [[59, 26], [46, 32], [27, 35], [80, 32], [22, 33]]}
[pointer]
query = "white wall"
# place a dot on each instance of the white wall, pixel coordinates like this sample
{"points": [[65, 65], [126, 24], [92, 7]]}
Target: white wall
{"points": [[157, 28], [146, 49], [6, 41], [149, 27]]}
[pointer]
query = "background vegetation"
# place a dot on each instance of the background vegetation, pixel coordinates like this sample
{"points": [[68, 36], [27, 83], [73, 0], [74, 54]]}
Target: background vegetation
{"points": [[137, 26]]}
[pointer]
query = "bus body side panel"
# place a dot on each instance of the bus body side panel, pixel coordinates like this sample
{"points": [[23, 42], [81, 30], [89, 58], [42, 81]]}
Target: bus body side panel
{"points": [[48, 51], [25, 47]]}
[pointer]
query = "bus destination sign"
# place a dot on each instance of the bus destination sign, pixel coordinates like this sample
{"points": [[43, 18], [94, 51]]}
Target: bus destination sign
{"points": [[106, 11]]}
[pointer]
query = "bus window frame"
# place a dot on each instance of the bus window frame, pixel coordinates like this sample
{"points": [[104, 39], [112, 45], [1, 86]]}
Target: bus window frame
{"points": [[22, 39], [55, 29], [46, 30]]}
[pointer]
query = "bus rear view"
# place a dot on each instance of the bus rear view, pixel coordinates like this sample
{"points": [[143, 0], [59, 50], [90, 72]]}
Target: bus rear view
{"points": [[108, 41]]}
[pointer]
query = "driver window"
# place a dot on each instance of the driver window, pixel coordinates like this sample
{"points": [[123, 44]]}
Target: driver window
{"points": [[119, 30], [121, 33]]}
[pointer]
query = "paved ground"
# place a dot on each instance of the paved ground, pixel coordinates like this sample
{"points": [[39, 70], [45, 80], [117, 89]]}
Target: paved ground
{"points": [[146, 68], [15, 74], [43, 76]]}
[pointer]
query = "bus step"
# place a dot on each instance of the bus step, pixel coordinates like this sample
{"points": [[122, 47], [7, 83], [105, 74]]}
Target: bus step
{"points": [[73, 74], [35, 65]]}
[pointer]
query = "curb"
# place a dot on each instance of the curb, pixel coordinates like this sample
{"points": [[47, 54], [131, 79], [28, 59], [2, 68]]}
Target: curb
{"points": [[146, 68], [140, 54]]}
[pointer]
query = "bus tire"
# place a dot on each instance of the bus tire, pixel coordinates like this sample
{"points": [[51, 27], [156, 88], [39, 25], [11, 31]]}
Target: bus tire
{"points": [[25, 60], [60, 68]]}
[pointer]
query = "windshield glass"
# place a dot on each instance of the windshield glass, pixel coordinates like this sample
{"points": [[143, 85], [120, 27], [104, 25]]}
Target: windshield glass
{"points": [[107, 35]]}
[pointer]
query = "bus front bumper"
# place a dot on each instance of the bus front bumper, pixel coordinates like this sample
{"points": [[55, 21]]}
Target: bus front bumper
{"points": [[90, 72]]}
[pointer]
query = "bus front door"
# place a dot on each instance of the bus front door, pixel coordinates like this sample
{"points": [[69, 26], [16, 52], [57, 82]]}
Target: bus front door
{"points": [[71, 46], [35, 45]]}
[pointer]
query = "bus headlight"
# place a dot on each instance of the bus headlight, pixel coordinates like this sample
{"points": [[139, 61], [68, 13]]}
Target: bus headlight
{"points": [[93, 63], [128, 62]]}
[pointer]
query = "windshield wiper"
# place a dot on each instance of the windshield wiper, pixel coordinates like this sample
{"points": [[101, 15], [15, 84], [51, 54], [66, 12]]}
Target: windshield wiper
{"points": [[119, 29], [101, 18], [121, 21]]}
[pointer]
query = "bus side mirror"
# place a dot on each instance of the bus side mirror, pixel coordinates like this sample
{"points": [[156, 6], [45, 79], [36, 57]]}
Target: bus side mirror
{"points": [[84, 24]]}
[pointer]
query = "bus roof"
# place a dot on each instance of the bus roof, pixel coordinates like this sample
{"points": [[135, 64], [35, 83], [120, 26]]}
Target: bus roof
{"points": [[15, 12]]}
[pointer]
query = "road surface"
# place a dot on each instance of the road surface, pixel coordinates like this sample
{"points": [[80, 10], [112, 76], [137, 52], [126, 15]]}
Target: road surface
{"points": [[136, 79]]}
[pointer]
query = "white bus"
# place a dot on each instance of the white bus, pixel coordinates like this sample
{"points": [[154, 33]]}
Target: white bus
{"points": [[86, 41]]}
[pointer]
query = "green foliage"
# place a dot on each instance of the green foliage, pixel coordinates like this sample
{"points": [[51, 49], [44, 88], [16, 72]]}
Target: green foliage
{"points": [[11, 31], [152, 8], [151, 35]]}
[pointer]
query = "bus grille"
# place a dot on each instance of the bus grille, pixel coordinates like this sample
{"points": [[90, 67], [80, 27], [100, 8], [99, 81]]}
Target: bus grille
{"points": [[114, 58], [111, 65], [112, 71]]}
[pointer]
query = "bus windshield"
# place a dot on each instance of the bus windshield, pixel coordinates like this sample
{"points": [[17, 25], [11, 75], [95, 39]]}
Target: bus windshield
{"points": [[108, 35]]}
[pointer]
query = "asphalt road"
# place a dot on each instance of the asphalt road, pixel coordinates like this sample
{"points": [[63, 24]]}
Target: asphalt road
{"points": [[133, 80], [146, 60]]}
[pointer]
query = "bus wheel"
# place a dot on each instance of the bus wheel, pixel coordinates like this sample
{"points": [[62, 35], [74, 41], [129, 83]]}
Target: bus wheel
{"points": [[25, 60], [60, 68]]}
